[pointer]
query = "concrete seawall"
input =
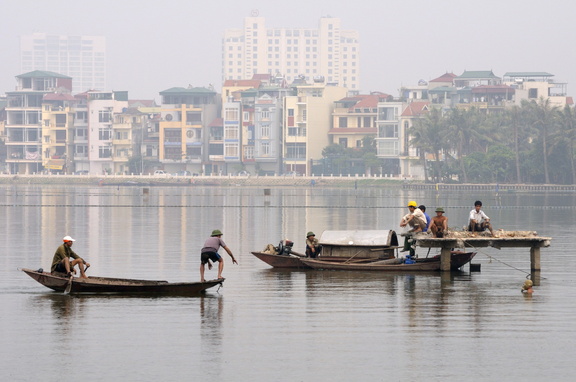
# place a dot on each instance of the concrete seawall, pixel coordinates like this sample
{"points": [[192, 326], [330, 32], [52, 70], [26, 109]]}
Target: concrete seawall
{"points": [[276, 181]]}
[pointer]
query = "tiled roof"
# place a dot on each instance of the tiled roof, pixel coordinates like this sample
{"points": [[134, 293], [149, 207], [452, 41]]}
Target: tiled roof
{"points": [[477, 74], [416, 108], [262, 77], [365, 100], [528, 74], [187, 90], [446, 77], [42, 74]]}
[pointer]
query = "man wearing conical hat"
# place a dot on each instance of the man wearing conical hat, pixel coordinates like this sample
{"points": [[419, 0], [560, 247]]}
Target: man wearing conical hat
{"points": [[210, 252], [439, 224]]}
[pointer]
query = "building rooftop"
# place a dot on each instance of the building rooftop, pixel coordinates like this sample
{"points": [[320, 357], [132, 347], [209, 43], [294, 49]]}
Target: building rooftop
{"points": [[473, 74], [42, 74]]}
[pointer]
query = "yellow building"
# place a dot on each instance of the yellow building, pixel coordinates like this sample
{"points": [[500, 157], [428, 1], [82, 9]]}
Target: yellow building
{"points": [[58, 111], [307, 122], [186, 114], [354, 118]]}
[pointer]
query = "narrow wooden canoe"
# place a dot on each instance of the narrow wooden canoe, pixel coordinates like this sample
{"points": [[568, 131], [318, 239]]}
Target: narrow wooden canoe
{"points": [[120, 286], [282, 261], [379, 266]]}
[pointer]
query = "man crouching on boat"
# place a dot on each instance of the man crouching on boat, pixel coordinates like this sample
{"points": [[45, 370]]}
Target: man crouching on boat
{"points": [[61, 262]]}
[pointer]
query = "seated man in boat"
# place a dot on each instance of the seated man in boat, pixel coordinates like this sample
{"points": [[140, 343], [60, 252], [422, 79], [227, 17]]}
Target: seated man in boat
{"points": [[210, 252], [61, 261], [479, 221], [439, 224], [313, 249]]}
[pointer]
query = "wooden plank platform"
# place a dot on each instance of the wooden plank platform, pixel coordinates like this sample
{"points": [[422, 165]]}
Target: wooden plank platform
{"points": [[504, 239]]}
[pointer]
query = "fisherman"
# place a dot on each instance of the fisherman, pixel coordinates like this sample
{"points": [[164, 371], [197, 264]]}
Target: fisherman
{"points": [[313, 249], [479, 221], [210, 252], [417, 222], [422, 208], [439, 224], [527, 287], [61, 261], [414, 218]]}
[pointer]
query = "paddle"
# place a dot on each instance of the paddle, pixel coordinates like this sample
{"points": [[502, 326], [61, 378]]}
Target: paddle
{"points": [[69, 286]]}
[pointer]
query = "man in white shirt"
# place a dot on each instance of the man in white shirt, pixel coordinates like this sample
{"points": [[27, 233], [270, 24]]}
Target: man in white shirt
{"points": [[479, 221]]}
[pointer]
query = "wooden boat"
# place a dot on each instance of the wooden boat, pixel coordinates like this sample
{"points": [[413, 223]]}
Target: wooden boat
{"points": [[457, 260], [282, 261], [390, 265], [119, 286]]}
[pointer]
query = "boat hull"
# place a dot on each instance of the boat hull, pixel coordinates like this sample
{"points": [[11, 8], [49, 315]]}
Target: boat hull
{"points": [[282, 261], [457, 260], [377, 266], [119, 286]]}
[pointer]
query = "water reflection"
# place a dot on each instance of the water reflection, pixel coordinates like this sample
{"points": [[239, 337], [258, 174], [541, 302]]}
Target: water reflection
{"points": [[331, 325]]}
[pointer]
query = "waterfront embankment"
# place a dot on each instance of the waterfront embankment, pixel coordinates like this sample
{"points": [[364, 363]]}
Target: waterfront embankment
{"points": [[276, 181]]}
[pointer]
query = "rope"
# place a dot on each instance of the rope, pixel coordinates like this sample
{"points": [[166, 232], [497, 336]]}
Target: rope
{"points": [[528, 274]]}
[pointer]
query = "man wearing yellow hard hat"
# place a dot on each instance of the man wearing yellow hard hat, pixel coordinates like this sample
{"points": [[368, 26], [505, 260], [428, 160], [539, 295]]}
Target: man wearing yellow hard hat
{"points": [[415, 218], [417, 222]]}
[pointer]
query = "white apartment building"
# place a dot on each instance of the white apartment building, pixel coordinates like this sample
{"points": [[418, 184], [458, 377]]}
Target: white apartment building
{"points": [[328, 52], [81, 57]]}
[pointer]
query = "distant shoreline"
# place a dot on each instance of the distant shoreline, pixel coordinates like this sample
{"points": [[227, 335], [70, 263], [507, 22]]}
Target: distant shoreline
{"points": [[273, 181]]}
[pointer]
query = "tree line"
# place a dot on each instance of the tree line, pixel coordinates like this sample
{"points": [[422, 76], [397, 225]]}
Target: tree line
{"points": [[530, 143]]}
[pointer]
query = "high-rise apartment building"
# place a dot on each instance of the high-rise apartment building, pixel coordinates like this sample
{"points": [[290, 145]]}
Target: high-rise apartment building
{"points": [[81, 57], [327, 52]]}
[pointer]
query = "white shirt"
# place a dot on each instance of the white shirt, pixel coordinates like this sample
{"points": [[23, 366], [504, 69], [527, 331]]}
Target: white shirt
{"points": [[479, 216]]}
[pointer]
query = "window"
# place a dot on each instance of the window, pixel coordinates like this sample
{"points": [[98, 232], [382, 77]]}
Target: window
{"points": [[245, 116], [265, 131], [265, 148], [388, 148], [532, 93], [388, 114], [388, 131], [343, 142], [104, 152], [231, 115], [296, 150], [343, 122], [367, 122], [231, 150], [104, 134], [104, 116]]}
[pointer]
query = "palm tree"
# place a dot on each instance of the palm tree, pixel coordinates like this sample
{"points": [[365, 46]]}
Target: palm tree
{"points": [[543, 118], [466, 134], [567, 131], [427, 135]]}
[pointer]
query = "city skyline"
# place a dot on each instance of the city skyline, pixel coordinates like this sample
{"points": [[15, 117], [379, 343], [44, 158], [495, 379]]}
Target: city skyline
{"points": [[153, 47]]}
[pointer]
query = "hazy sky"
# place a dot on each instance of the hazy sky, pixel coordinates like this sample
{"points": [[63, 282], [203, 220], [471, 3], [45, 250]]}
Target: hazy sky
{"points": [[156, 45]]}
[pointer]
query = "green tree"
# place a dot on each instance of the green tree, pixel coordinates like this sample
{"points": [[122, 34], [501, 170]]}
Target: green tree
{"points": [[428, 136], [543, 119]]}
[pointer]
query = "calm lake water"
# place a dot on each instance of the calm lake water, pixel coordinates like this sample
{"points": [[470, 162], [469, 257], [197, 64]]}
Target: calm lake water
{"points": [[270, 325]]}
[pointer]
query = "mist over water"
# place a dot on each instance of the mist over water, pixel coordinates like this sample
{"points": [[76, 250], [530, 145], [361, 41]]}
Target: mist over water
{"points": [[266, 324]]}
